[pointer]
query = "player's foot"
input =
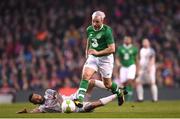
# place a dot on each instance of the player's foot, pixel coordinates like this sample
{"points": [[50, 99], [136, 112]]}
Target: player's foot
{"points": [[154, 100], [78, 103], [89, 108], [124, 90], [139, 100], [121, 99]]}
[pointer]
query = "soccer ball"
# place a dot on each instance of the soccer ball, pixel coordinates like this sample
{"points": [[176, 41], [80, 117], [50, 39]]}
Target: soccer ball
{"points": [[68, 106]]}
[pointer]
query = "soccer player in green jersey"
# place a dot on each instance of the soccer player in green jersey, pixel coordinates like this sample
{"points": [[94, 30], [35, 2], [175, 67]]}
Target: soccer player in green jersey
{"points": [[127, 57], [99, 52]]}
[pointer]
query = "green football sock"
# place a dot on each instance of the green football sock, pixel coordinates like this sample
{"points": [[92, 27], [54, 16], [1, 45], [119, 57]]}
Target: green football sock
{"points": [[115, 89], [82, 89], [129, 96]]}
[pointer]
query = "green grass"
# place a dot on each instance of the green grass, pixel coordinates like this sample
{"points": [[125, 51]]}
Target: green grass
{"points": [[161, 109]]}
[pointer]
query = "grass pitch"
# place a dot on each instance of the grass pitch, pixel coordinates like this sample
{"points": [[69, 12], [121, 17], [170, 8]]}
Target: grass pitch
{"points": [[161, 109]]}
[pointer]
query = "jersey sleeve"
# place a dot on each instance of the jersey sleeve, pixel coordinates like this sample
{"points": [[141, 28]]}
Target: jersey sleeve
{"points": [[50, 94], [109, 36], [43, 108], [87, 32], [118, 52], [135, 51], [152, 53]]}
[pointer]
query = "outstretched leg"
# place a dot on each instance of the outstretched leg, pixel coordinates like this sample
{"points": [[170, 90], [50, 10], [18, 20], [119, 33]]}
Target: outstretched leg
{"points": [[99, 103]]}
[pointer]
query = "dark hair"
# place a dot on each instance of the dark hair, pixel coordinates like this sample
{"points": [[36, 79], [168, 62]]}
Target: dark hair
{"points": [[30, 97]]}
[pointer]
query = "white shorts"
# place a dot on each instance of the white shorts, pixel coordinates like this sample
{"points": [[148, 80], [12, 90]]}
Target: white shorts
{"points": [[127, 73], [147, 77], [102, 64]]}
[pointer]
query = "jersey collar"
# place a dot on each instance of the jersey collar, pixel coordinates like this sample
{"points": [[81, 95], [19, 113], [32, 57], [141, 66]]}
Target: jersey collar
{"points": [[127, 46], [99, 29]]}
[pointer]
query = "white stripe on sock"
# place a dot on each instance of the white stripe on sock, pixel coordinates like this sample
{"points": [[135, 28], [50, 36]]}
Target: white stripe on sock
{"points": [[83, 89], [80, 95]]}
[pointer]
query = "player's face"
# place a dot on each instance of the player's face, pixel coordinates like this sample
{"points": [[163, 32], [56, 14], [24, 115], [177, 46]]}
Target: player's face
{"points": [[97, 22], [37, 99], [127, 40], [146, 43]]}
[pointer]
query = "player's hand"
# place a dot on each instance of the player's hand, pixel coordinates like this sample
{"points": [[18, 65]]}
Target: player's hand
{"points": [[92, 52], [22, 111]]}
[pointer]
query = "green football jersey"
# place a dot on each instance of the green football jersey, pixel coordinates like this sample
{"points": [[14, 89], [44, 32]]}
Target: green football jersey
{"points": [[127, 55], [99, 40]]}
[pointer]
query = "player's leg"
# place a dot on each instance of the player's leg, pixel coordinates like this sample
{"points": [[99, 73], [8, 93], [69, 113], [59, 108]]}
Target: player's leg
{"points": [[130, 82], [106, 69], [99, 103], [124, 81], [87, 74], [139, 86], [89, 69], [89, 90], [106, 73], [140, 91], [154, 89], [123, 75], [98, 83], [114, 89], [95, 83]]}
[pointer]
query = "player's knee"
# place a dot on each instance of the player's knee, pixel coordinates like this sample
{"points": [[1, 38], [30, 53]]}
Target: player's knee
{"points": [[138, 84], [153, 84], [91, 82], [86, 75], [107, 85]]}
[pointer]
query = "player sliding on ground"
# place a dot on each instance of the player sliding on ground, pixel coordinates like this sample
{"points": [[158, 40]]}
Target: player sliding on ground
{"points": [[99, 53], [52, 100]]}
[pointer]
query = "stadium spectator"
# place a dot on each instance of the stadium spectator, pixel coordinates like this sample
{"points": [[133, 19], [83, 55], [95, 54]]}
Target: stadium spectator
{"points": [[21, 21]]}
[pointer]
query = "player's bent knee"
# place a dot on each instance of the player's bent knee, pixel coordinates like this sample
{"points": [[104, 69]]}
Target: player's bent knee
{"points": [[107, 85], [92, 82], [86, 76], [87, 73]]}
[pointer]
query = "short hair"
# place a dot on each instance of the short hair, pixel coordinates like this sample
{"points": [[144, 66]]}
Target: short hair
{"points": [[146, 39], [98, 13], [30, 97]]}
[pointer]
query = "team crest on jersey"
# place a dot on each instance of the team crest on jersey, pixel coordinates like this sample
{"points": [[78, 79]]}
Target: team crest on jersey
{"points": [[98, 36], [130, 51], [91, 34], [123, 51]]}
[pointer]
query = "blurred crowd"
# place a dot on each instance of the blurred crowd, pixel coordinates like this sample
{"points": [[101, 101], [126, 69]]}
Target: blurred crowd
{"points": [[42, 42]]}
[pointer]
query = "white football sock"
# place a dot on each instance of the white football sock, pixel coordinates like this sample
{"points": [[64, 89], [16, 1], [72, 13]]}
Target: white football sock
{"points": [[140, 92], [108, 99], [99, 84], [154, 92]]}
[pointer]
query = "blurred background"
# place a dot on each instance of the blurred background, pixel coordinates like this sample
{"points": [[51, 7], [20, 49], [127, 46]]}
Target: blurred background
{"points": [[42, 42]]}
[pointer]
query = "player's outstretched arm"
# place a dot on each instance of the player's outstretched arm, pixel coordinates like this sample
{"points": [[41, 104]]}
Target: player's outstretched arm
{"points": [[22, 111], [87, 48], [35, 110]]}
